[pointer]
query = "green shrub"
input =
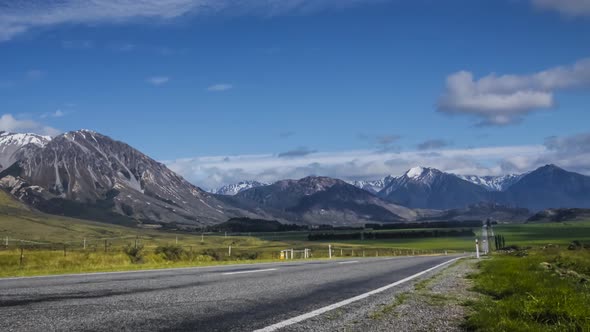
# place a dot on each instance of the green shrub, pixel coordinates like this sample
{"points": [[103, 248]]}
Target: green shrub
{"points": [[170, 252], [135, 253]]}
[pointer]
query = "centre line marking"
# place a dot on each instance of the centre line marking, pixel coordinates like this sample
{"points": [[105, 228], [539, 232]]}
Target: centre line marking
{"points": [[348, 262], [249, 271], [325, 309]]}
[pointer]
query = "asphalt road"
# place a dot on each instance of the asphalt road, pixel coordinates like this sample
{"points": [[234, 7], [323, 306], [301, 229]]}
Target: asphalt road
{"points": [[222, 298]]}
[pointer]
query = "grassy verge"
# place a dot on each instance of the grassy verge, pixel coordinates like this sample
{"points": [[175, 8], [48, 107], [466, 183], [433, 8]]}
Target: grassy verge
{"points": [[534, 290]]}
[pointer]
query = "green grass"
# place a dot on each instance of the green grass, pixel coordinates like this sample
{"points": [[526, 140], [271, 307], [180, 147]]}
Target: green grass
{"points": [[524, 295], [545, 233]]}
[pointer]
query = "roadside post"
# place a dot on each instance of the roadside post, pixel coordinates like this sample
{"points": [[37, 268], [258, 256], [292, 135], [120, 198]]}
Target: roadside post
{"points": [[477, 248], [329, 251]]}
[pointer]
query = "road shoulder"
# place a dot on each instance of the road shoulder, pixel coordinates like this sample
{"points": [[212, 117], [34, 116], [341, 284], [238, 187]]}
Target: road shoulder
{"points": [[434, 302]]}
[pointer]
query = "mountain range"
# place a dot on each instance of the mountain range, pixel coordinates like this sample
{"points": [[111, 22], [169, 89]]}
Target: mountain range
{"points": [[89, 175]]}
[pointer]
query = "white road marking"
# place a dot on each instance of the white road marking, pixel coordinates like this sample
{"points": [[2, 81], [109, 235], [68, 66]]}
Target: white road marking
{"points": [[325, 309], [348, 262], [249, 271]]}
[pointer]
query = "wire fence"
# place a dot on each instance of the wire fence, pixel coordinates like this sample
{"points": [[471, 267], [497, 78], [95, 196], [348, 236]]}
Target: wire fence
{"points": [[135, 248]]}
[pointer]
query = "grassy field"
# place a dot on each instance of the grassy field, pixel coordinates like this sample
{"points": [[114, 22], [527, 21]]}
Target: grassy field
{"points": [[535, 290]]}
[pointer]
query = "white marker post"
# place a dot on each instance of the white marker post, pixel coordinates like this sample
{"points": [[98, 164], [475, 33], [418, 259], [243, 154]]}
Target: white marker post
{"points": [[477, 248], [229, 251], [329, 251]]}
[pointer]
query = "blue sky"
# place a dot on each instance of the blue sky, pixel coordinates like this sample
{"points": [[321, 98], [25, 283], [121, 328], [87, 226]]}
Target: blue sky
{"points": [[226, 90]]}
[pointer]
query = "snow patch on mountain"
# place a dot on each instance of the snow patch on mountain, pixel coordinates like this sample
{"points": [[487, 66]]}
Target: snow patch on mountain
{"points": [[235, 188], [493, 183]]}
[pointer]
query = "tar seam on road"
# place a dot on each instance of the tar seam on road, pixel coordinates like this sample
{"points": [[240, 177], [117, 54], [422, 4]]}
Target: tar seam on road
{"points": [[325, 309], [348, 262], [249, 271]]}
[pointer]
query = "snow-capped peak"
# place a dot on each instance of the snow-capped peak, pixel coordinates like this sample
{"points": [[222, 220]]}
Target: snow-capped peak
{"points": [[236, 188], [18, 139], [415, 172]]}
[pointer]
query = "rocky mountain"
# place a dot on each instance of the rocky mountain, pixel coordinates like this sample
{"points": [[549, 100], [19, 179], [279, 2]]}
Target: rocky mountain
{"points": [[86, 174], [320, 200], [549, 187], [11, 146], [429, 188], [235, 188], [493, 183], [373, 186]]}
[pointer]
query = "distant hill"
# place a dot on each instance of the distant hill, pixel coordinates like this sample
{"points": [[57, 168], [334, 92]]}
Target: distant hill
{"points": [[557, 215]]}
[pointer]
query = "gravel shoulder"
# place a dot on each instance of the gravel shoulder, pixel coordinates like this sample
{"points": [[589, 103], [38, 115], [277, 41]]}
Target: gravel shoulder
{"points": [[434, 302]]}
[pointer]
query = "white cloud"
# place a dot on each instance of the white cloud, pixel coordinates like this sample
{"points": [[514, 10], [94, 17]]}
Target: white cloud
{"points": [[570, 152], [220, 87], [18, 17], [505, 99], [565, 7], [212, 172], [158, 80], [11, 124]]}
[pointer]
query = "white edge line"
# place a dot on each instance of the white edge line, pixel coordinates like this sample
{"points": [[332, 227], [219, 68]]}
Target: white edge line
{"points": [[348, 262], [325, 309], [249, 271]]}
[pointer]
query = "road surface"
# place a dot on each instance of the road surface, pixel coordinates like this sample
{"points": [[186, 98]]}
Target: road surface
{"points": [[220, 298]]}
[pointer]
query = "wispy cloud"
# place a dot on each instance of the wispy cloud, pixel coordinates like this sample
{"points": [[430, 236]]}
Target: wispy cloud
{"points": [[220, 87], [18, 17], [565, 7], [72, 44], [158, 80], [56, 114], [34, 74], [506, 99], [433, 144], [11, 124], [299, 152], [286, 134]]}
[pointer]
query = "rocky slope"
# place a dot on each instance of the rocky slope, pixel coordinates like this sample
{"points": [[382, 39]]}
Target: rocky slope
{"points": [[550, 187], [429, 188], [86, 174]]}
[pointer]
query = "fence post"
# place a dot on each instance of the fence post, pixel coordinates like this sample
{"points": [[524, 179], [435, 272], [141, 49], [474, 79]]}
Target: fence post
{"points": [[22, 254]]}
